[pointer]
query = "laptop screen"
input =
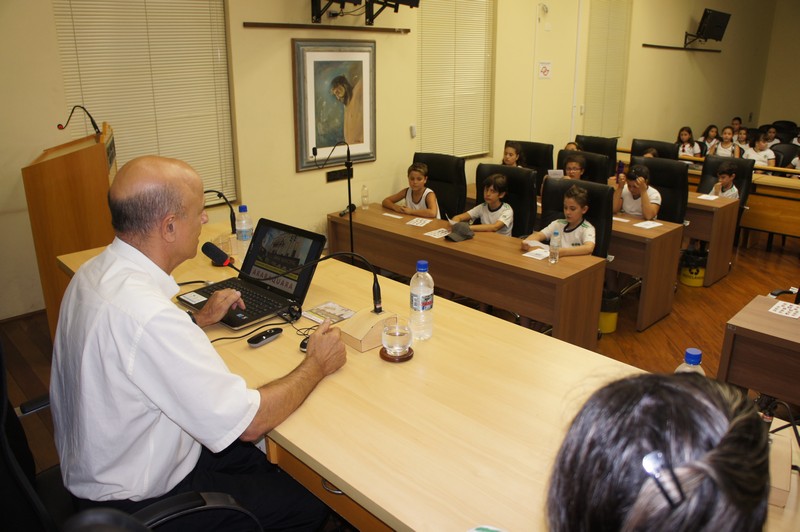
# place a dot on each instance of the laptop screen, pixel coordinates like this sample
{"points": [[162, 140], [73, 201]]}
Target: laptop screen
{"points": [[277, 248]]}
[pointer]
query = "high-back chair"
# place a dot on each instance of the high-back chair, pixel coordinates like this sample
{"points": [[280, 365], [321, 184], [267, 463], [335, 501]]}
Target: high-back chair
{"points": [[600, 213], [666, 150], [785, 152], [602, 145], [521, 193], [671, 179], [448, 179], [596, 165], [743, 180], [537, 156]]}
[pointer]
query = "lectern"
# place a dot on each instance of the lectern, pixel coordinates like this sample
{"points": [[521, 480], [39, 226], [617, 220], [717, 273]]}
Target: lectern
{"points": [[66, 188]]}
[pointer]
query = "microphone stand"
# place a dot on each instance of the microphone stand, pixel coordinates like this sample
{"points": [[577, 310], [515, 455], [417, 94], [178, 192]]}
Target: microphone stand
{"points": [[348, 164], [221, 196]]}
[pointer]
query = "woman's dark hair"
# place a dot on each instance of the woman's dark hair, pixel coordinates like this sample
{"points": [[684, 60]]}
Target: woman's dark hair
{"points": [[709, 435]]}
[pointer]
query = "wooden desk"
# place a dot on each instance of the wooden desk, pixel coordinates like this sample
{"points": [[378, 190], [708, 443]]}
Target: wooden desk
{"points": [[761, 351], [462, 435], [773, 206], [652, 255], [489, 268], [713, 221]]}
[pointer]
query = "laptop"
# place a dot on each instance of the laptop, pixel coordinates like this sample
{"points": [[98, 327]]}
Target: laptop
{"points": [[275, 249]]}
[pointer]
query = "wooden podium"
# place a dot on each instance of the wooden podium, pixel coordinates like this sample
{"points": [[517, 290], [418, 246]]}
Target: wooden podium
{"points": [[66, 188]]}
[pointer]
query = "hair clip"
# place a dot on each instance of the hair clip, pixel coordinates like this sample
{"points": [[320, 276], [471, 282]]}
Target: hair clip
{"points": [[654, 464]]}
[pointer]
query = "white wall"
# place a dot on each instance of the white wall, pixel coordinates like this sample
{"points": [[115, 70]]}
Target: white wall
{"points": [[668, 89], [33, 97], [781, 100]]}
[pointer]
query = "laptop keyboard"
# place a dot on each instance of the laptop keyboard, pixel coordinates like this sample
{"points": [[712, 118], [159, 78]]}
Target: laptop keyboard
{"points": [[257, 303]]}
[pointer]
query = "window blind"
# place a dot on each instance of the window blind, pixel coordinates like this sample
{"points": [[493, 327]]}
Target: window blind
{"points": [[607, 67], [157, 72], [455, 57]]}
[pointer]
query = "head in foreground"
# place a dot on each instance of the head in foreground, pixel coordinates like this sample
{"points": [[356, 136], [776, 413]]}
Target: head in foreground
{"points": [[662, 452]]}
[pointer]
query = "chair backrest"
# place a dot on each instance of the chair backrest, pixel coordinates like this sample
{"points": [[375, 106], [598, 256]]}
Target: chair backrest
{"points": [[537, 156], [521, 193], [596, 165], [671, 179], [446, 177], [600, 213], [743, 180], [666, 150], [785, 136], [784, 153], [20, 505], [785, 125], [602, 145]]}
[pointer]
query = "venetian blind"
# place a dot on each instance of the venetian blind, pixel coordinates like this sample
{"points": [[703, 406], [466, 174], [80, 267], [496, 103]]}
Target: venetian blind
{"points": [[454, 86], [157, 72], [607, 66]]}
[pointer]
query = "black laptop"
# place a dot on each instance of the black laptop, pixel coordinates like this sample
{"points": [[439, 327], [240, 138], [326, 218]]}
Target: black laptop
{"points": [[275, 249]]}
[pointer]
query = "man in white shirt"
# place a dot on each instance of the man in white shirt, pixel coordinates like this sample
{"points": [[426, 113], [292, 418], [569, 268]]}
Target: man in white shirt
{"points": [[143, 406]]}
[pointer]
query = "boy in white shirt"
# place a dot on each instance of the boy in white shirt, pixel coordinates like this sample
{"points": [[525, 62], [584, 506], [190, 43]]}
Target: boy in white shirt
{"points": [[724, 187], [493, 214], [577, 234], [634, 196]]}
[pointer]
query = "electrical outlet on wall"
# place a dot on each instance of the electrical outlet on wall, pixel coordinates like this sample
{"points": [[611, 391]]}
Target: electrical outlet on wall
{"points": [[412, 129]]}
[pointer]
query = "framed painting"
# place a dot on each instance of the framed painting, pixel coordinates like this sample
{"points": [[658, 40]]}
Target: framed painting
{"points": [[334, 101]]}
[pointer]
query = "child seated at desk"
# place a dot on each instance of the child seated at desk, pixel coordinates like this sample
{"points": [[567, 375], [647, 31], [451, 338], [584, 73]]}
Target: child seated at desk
{"points": [[726, 147], [760, 153], [634, 196], [493, 214], [420, 200], [512, 154], [724, 187], [577, 234], [574, 166]]}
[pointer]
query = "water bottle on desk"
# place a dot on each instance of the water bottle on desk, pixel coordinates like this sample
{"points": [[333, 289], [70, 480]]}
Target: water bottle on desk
{"points": [[364, 197], [421, 315], [555, 245], [691, 362], [244, 231]]}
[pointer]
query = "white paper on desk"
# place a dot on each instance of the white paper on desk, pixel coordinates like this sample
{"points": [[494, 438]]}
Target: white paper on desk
{"points": [[620, 219], [555, 174], [784, 308], [709, 197], [648, 224], [393, 216], [419, 222], [537, 253], [438, 233]]}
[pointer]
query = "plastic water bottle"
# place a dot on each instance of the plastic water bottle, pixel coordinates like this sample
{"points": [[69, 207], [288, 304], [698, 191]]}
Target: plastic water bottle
{"points": [[421, 316], [364, 197], [555, 245], [244, 231], [691, 362]]}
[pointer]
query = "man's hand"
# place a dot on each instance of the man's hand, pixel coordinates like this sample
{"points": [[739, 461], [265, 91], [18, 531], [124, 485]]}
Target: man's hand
{"points": [[326, 348], [218, 305]]}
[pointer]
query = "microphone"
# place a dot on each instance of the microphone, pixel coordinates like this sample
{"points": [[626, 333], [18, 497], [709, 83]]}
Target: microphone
{"points": [[350, 208], [220, 258], [217, 256], [221, 196], [94, 124]]}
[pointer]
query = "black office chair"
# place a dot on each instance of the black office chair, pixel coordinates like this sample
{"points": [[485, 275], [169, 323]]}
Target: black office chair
{"points": [[34, 502], [521, 194], [786, 151], [596, 165], [671, 180], [448, 179], [743, 181], [785, 125], [785, 136], [600, 213], [666, 150], [602, 145], [537, 156]]}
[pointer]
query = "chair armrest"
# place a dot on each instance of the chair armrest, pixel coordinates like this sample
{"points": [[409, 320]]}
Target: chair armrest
{"points": [[182, 504], [32, 406]]}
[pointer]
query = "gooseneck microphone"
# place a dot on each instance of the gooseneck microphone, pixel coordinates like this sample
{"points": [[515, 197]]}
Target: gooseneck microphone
{"points": [[94, 124], [350, 208], [221, 196], [220, 258]]}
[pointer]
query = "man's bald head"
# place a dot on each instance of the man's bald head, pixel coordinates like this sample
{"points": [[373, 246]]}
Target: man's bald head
{"points": [[147, 189]]}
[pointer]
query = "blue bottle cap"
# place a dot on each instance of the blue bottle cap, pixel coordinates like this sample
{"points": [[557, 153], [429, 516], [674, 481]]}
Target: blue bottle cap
{"points": [[422, 265], [242, 208], [693, 356]]}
